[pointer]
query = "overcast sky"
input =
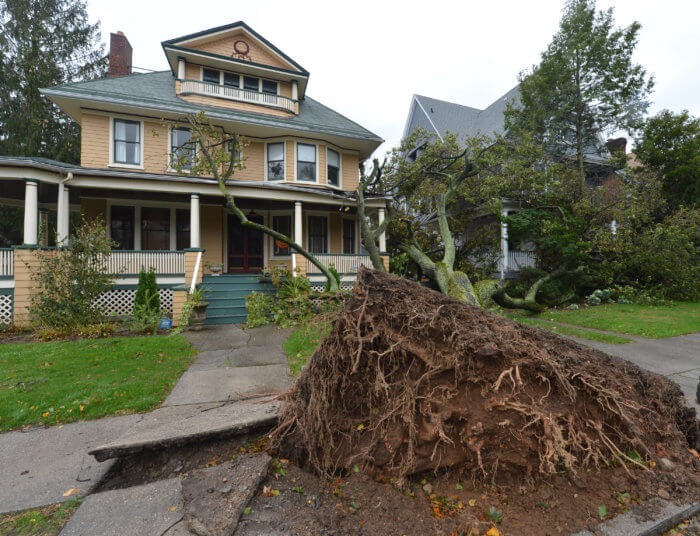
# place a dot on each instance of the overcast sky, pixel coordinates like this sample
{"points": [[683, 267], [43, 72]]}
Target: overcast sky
{"points": [[368, 58]]}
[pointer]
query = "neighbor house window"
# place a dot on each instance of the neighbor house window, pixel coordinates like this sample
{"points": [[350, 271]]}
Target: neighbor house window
{"points": [[333, 167], [127, 142], [155, 228], [210, 75], [318, 234], [282, 224], [181, 150], [348, 236], [182, 228], [275, 161], [121, 226], [250, 83], [306, 162], [268, 86], [232, 80]]}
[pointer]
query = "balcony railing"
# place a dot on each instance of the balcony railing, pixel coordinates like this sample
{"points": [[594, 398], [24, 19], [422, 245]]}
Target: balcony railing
{"points": [[344, 264], [7, 263], [124, 262], [518, 259], [195, 87]]}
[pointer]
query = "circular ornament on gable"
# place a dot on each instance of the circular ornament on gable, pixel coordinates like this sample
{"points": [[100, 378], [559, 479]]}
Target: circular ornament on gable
{"points": [[241, 48]]}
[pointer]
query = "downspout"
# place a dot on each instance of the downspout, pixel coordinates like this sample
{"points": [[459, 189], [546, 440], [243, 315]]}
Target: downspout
{"points": [[196, 272]]}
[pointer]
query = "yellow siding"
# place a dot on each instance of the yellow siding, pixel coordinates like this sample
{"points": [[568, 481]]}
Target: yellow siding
{"points": [[254, 155], [212, 223], [322, 169], [290, 160], [224, 46], [350, 171], [94, 141], [155, 148]]}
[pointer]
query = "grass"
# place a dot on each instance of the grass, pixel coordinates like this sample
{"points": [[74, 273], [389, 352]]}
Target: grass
{"points": [[572, 332], [652, 321], [302, 343], [49, 383], [46, 521]]}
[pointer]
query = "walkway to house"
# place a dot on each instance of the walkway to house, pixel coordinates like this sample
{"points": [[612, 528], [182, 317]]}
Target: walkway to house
{"points": [[42, 466]]}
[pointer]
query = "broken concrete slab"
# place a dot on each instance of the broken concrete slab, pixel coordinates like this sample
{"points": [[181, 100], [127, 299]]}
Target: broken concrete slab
{"points": [[214, 498], [269, 335], [214, 422], [149, 510], [248, 356], [40, 465], [651, 518], [198, 386], [218, 337]]}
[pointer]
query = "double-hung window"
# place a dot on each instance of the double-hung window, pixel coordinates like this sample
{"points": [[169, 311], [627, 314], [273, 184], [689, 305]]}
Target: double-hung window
{"points": [[232, 80], [121, 226], [211, 75], [306, 162], [275, 161], [155, 228], [250, 83], [348, 236], [127, 142], [282, 224], [318, 234], [333, 167], [269, 87], [181, 147]]}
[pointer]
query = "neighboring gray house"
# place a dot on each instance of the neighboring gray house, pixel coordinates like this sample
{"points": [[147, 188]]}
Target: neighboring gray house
{"points": [[441, 117]]}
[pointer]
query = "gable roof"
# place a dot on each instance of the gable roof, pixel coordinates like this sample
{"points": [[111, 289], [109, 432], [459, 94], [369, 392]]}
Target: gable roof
{"points": [[180, 42], [464, 121]]}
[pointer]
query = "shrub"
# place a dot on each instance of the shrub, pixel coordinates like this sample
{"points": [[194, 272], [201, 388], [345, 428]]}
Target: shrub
{"points": [[147, 299], [68, 281], [598, 296]]}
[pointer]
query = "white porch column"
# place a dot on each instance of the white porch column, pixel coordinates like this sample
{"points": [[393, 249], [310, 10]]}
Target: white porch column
{"points": [[31, 212], [504, 245], [181, 68], [62, 215], [382, 237], [195, 241], [298, 238], [295, 90]]}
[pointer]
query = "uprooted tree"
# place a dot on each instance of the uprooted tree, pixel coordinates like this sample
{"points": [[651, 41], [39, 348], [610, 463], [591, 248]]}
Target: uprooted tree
{"points": [[372, 182], [212, 151]]}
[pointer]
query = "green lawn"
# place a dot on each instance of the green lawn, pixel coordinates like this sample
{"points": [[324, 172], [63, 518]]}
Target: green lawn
{"points": [[48, 383], [652, 321], [47, 521], [303, 342], [572, 332]]}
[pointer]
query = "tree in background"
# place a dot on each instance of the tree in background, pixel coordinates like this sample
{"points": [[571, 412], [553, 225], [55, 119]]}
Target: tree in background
{"points": [[669, 144], [585, 85], [43, 43]]}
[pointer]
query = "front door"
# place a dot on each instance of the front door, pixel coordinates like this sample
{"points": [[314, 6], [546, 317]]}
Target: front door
{"points": [[245, 246]]}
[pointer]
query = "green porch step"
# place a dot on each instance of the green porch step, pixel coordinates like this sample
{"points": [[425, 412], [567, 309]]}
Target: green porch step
{"points": [[226, 296]]}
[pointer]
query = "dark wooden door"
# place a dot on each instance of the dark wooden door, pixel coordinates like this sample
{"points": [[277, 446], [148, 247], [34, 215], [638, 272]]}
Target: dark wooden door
{"points": [[245, 246]]}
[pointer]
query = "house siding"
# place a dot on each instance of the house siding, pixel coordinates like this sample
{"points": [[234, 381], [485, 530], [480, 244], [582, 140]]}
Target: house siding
{"points": [[224, 46], [94, 144]]}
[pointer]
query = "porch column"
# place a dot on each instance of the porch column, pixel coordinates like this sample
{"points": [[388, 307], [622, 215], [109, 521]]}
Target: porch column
{"points": [[31, 212], [298, 238], [382, 237], [62, 215], [504, 245], [195, 241], [181, 68]]}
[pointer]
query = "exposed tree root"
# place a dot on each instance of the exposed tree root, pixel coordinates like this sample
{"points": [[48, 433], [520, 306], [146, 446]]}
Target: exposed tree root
{"points": [[411, 380]]}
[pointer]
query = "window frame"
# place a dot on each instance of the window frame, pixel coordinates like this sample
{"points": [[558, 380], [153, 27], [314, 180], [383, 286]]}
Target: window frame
{"points": [[285, 214], [170, 148], [284, 160], [112, 141], [325, 216], [223, 79], [256, 78], [353, 221], [133, 225], [262, 86], [212, 70], [296, 162], [340, 168]]}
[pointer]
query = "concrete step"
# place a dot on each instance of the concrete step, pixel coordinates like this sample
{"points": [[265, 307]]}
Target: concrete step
{"points": [[231, 294], [225, 319], [226, 308]]}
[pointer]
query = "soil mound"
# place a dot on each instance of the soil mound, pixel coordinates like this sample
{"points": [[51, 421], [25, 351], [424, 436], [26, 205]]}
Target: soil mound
{"points": [[411, 380]]}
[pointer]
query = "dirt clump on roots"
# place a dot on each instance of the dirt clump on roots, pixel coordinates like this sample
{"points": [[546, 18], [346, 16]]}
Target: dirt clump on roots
{"points": [[410, 380]]}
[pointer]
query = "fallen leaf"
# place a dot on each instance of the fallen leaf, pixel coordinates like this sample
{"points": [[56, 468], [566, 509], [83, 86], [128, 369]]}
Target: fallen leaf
{"points": [[71, 491], [472, 502], [493, 531], [246, 511]]}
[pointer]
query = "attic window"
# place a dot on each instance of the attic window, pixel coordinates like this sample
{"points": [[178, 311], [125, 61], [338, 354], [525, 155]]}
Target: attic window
{"points": [[269, 87], [232, 80], [212, 76]]}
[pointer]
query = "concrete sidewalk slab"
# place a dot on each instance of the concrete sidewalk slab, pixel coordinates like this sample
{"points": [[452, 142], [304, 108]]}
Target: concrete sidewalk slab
{"points": [[39, 466], [218, 384], [217, 337], [269, 335], [209, 423], [149, 510], [249, 356]]}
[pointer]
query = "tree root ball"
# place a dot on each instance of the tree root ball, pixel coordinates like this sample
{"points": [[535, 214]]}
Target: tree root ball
{"points": [[411, 380]]}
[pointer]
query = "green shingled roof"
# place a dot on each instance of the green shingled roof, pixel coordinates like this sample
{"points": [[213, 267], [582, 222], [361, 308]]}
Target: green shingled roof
{"points": [[156, 91]]}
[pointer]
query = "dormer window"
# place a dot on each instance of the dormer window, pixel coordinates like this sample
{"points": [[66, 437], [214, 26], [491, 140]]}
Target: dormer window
{"points": [[232, 80], [251, 83], [211, 76], [269, 87]]}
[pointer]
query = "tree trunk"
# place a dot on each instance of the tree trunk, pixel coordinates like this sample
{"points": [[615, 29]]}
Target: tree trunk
{"points": [[369, 236]]}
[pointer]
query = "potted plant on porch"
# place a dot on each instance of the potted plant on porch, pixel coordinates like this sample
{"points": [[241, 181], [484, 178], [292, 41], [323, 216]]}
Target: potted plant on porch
{"points": [[199, 309], [215, 268]]}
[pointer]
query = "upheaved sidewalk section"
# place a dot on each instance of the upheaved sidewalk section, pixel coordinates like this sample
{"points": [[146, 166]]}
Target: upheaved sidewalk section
{"points": [[220, 395]]}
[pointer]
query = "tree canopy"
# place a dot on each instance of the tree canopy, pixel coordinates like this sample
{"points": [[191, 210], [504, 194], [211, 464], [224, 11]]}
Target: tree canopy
{"points": [[43, 43]]}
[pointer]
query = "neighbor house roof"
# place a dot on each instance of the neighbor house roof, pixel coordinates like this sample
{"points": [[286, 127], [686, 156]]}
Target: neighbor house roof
{"points": [[155, 92], [442, 116]]}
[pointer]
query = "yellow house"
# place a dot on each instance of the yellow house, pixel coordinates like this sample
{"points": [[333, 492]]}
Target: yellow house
{"points": [[301, 170]]}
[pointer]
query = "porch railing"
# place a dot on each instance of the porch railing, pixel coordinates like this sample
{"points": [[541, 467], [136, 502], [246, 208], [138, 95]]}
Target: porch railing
{"points": [[123, 262], [344, 264], [518, 259], [238, 94], [7, 263]]}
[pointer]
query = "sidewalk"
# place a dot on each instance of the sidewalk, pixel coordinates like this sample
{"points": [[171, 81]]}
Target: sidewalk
{"points": [[39, 466]]}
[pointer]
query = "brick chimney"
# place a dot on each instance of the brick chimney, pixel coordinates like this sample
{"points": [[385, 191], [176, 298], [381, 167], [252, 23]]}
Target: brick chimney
{"points": [[617, 145], [120, 52]]}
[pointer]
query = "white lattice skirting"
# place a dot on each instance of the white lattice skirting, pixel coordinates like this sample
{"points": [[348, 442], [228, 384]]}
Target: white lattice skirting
{"points": [[320, 287], [5, 309], [120, 302]]}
